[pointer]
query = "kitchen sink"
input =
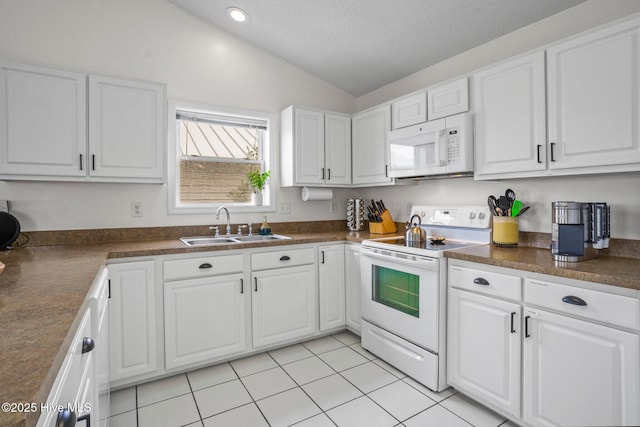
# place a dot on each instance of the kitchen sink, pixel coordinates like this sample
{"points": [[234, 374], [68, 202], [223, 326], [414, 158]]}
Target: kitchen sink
{"points": [[260, 238], [211, 241]]}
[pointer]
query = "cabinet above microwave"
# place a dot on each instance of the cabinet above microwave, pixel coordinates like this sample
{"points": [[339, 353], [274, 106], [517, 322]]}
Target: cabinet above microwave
{"points": [[438, 147]]}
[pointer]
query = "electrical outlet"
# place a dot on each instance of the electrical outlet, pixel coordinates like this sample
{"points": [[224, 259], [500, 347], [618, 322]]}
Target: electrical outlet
{"points": [[136, 210], [4, 206], [284, 207], [333, 206]]}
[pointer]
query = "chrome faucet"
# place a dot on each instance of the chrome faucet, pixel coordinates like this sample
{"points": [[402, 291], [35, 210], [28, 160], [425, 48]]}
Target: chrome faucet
{"points": [[228, 219]]}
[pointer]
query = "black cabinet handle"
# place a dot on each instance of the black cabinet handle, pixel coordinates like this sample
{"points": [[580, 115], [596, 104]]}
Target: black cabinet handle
{"points": [[481, 281], [553, 144], [329, 174], [526, 327], [322, 262], [66, 418], [513, 315], [93, 162], [386, 171], [86, 418], [285, 258], [538, 147], [88, 344], [256, 282], [242, 286], [574, 300], [205, 265], [81, 168], [322, 173]]}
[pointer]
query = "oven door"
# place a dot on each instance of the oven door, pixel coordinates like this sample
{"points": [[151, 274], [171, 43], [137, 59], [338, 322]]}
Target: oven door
{"points": [[400, 294]]}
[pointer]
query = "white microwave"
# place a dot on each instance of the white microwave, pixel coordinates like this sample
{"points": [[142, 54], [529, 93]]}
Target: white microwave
{"points": [[438, 147]]}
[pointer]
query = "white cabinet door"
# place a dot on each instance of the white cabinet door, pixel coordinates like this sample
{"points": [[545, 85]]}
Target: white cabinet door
{"points": [[331, 286], [579, 373], [448, 99], [352, 286], [204, 319], [594, 98], [283, 304], [369, 134], [337, 149], [484, 353], [509, 103], [42, 121], [309, 146], [126, 128], [409, 110], [132, 319]]}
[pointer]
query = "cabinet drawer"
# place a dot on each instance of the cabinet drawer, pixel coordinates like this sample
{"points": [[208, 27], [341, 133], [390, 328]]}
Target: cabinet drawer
{"points": [[486, 282], [600, 306], [204, 266], [284, 258]]}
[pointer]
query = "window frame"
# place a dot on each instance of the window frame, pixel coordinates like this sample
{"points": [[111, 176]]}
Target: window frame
{"points": [[173, 153]]}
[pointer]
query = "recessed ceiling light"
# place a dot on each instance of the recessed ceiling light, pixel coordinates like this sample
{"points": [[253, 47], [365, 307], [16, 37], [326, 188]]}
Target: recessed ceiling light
{"points": [[237, 14]]}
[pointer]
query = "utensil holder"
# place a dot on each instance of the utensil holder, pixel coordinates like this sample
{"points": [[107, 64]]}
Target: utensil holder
{"points": [[506, 231], [387, 225]]}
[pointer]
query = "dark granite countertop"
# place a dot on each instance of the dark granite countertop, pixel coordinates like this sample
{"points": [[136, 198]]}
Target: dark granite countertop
{"points": [[43, 290]]}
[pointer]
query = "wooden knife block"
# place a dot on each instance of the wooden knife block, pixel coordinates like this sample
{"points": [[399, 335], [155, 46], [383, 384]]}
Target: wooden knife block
{"points": [[387, 225]]}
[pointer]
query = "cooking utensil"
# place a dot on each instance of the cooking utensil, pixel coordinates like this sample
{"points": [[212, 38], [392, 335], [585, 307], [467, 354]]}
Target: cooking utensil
{"points": [[493, 204], [516, 206], [523, 210], [504, 204], [510, 195]]}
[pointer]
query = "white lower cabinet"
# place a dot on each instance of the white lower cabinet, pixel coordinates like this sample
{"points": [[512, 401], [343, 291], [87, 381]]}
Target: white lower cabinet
{"points": [[331, 284], [133, 320], [484, 348], [580, 361], [283, 296], [204, 319], [352, 286], [73, 394]]}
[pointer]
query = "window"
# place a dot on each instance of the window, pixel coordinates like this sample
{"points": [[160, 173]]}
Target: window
{"points": [[213, 150]]}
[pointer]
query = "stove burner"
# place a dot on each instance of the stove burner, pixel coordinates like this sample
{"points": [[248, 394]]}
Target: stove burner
{"points": [[437, 242]]}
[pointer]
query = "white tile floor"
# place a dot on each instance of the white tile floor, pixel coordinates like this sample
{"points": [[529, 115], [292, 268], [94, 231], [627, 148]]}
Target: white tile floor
{"points": [[330, 381]]}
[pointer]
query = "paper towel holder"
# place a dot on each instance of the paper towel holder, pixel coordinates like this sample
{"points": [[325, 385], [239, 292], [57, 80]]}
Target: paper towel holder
{"points": [[315, 193]]}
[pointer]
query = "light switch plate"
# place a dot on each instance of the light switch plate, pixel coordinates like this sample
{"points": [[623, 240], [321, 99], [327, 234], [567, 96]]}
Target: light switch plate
{"points": [[4, 206]]}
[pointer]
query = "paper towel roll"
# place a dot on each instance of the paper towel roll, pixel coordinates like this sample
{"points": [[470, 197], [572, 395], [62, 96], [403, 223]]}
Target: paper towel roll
{"points": [[316, 193]]}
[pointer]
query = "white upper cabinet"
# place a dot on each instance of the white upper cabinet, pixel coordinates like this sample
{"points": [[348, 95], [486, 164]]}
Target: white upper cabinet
{"points": [[591, 99], [47, 114], [594, 99], [409, 110], [315, 147], [448, 99], [369, 135], [126, 128], [509, 104], [42, 121]]}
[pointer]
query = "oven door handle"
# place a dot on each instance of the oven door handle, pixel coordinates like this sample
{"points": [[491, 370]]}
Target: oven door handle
{"points": [[422, 264]]}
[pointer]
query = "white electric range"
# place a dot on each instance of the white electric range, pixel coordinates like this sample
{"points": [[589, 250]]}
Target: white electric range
{"points": [[403, 290]]}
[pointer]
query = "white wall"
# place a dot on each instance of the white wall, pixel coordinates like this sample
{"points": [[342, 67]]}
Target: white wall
{"points": [[622, 191], [156, 41]]}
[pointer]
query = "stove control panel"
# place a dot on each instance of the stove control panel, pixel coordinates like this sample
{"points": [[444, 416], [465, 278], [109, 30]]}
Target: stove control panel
{"points": [[454, 216]]}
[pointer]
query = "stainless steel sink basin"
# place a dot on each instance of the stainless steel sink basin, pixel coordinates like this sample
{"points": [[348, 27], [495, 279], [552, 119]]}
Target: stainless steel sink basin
{"points": [[206, 241], [260, 238], [211, 241]]}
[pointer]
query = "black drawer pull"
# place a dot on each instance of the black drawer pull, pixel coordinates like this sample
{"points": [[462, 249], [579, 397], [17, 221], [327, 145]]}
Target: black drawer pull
{"points": [[285, 258], [481, 281], [205, 265], [574, 300], [88, 344], [513, 315]]}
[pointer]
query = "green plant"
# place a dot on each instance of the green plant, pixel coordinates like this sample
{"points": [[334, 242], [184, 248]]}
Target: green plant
{"points": [[258, 180]]}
